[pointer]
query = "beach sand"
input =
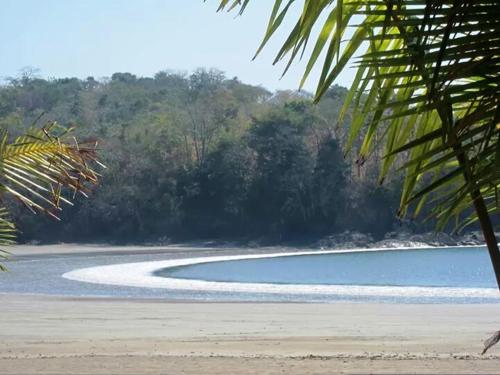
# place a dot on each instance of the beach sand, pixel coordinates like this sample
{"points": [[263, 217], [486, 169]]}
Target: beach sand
{"points": [[68, 335]]}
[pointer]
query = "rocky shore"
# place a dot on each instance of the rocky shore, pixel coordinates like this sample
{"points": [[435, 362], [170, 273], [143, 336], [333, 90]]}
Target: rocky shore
{"points": [[344, 240], [350, 239]]}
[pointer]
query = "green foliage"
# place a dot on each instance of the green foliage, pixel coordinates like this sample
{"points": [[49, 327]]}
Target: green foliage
{"points": [[214, 195], [427, 78], [7, 234], [200, 156], [328, 186], [284, 168]]}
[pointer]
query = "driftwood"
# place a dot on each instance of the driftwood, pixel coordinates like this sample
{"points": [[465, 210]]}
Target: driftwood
{"points": [[491, 341]]}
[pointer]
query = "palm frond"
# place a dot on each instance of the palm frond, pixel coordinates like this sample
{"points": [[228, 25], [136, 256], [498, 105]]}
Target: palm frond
{"points": [[37, 166], [7, 235], [428, 73]]}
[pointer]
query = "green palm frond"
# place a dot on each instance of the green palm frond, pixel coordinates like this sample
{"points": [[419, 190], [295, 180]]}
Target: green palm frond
{"points": [[7, 235], [427, 80], [38, 167]]}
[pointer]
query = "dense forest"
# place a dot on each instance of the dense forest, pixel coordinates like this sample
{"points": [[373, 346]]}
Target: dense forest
{"points": [[203, 156]]}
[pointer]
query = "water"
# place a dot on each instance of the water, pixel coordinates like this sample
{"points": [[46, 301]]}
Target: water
{"points": [[453, 267], [450, 267]]}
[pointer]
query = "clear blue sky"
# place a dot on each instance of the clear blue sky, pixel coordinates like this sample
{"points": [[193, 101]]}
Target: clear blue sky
{"points": [[80, 38]]}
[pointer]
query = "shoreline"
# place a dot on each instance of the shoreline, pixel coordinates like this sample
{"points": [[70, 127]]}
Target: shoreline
{"points": [[130, 272], [59, 249], [143, 274], [42, 334]]}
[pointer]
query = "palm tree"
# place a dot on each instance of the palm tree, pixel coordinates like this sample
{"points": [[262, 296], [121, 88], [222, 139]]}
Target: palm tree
{"points": [[36, 167], [427, 83]]}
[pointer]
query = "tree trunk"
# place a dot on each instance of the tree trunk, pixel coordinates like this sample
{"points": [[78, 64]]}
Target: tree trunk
{"points": [[483, 216], [489, 234]]}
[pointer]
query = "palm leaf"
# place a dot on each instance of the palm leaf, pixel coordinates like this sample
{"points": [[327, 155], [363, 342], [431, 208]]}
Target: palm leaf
{"points": [[7, 235], [429, 74], [38, 167], [422, 62]]}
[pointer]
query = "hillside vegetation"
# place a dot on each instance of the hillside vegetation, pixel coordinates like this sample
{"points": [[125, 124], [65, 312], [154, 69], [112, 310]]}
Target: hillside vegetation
{"points": [[204, 156]]}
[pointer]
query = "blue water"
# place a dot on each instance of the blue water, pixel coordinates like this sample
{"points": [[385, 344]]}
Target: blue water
{"points": [[450, 267], [441, 267]]}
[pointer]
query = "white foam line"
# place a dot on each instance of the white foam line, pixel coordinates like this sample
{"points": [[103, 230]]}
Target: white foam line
{"points": [[141, 274]]}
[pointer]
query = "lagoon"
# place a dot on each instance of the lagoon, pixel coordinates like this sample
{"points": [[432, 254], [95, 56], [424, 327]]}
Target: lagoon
{"points": [[410, 275], [432, 267]]}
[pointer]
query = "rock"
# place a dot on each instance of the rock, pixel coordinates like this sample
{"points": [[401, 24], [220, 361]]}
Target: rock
{"points": [[345, 240], [349, 239]]}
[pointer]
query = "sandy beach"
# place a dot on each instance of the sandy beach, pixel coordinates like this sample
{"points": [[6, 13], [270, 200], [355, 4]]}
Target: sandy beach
{"points": [[72, 335]]}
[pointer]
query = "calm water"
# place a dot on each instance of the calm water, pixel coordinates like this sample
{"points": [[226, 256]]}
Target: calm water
{"points": [[451, 267], [442, 267]]}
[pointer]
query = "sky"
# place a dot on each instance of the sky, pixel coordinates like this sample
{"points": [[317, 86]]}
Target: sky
{"points": [[81, 38]]}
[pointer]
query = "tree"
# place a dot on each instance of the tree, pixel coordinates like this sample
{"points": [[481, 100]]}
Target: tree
{"points": [[329, 183], [280, 198], [428, 76], [210, 109], [214, 194]]}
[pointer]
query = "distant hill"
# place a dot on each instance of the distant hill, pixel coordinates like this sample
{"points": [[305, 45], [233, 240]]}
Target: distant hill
{"points": [[203, 156]]}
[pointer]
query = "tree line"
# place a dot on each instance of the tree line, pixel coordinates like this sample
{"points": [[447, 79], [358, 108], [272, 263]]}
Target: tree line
{"points": [[203, 156]]}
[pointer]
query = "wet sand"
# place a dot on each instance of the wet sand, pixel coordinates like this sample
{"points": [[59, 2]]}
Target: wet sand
{"points": [[70, 335]]}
